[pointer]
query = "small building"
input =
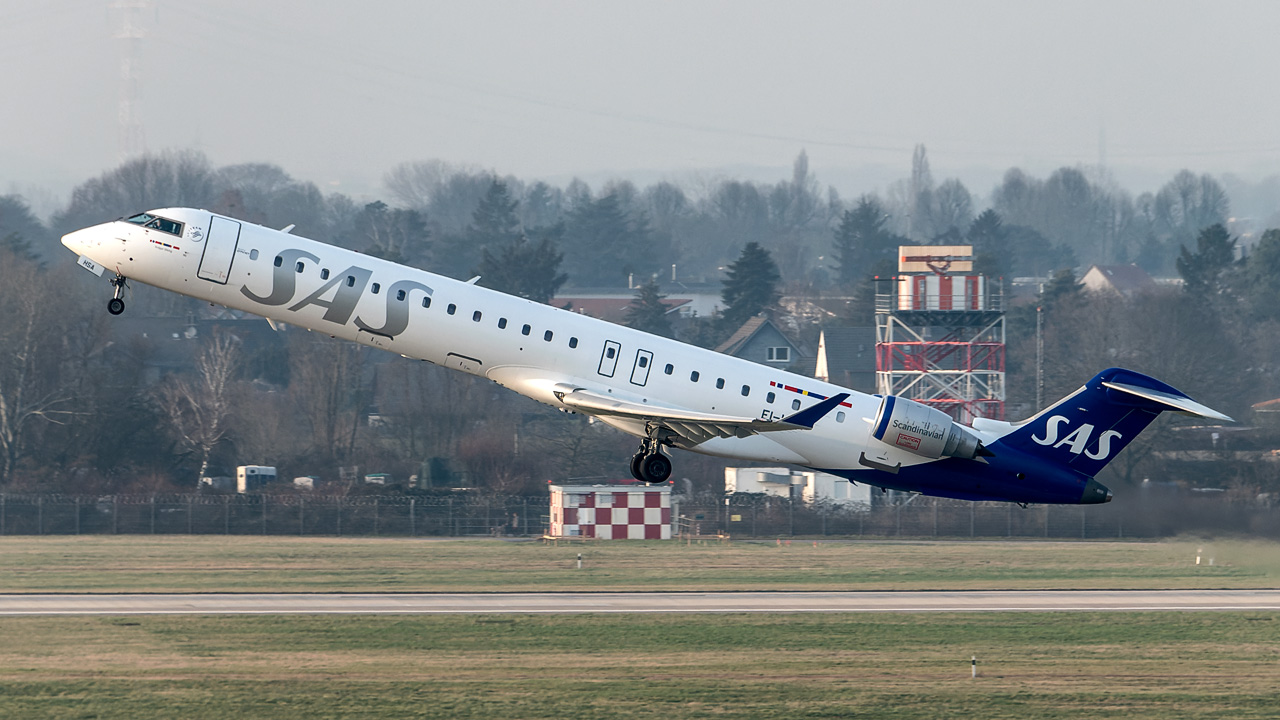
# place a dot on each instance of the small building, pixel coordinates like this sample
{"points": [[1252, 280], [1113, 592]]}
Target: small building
{"points": [[847, 357], [1125, 280], [251, 478], [808, 486], [611, 512], [222, 483]]}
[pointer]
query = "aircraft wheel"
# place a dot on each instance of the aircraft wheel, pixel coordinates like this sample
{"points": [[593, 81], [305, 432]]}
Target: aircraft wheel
{"points": [[656, 468], [636, 472], [115, 306]]}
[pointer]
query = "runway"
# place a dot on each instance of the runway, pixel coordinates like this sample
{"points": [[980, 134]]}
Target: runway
{"points": [[631, 602]]}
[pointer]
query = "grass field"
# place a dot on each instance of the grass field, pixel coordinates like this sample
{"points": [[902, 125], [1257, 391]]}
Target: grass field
{"points": [[1132, 666], [265, 564], [1032, 665]]}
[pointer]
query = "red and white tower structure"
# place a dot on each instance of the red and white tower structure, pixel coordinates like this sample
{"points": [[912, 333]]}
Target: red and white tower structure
{"points": [[940, 333]]}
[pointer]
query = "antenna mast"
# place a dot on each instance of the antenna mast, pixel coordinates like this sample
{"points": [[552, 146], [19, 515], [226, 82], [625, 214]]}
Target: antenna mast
{"points": [[129, 31]]}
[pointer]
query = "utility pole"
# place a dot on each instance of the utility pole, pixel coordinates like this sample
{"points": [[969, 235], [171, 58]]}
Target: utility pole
{"points": [[1039, 358]]}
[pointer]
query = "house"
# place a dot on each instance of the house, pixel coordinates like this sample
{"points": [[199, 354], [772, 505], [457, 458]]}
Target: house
{"points": [[1125, 280], [847, 357], [760, 340]]}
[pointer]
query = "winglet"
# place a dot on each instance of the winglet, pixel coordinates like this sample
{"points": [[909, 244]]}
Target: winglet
{"points": [[809, 417]]}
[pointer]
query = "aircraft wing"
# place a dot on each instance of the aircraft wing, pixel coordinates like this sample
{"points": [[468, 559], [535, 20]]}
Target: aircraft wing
{"points": [[694, 427]]}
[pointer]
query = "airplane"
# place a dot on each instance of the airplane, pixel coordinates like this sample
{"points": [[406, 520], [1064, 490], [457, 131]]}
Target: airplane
{"points": [[667, 393]]}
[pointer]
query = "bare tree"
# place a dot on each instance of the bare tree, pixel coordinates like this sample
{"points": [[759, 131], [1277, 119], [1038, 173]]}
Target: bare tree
{"points": [[26, 393], [199, 409], [149, 181], [329, 384]]}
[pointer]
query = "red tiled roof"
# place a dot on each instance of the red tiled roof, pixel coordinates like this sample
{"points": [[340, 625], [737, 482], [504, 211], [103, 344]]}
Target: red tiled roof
{"points": [[612, 309]]}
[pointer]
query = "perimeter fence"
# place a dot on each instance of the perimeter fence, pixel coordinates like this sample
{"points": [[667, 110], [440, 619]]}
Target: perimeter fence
{"points": [[737, 516]]}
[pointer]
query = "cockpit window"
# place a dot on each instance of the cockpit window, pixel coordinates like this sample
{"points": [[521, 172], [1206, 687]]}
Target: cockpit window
{"points": [[155, 222], [165, 225]]}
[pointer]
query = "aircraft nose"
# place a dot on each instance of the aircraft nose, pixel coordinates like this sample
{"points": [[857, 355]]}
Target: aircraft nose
{"points": [[1095, 493], [76, 241]]}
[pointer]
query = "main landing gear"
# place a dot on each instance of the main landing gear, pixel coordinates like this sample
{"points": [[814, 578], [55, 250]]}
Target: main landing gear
{"points": [[649, 464], [115, 305]]}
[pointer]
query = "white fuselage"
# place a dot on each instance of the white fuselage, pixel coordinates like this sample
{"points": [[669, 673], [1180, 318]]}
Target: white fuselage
{"points": [[522, 345]]}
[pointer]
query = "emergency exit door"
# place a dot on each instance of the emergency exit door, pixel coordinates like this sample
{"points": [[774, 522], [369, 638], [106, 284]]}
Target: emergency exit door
{"points": [[219, 250], [640, 371], [609, 358]]}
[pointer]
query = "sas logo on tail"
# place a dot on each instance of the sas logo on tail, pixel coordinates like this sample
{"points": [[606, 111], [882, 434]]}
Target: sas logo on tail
{"points": [[1077, 440]]}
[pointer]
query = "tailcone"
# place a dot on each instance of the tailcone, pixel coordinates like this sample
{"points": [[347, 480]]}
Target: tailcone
{"points": [[1095, 493]]}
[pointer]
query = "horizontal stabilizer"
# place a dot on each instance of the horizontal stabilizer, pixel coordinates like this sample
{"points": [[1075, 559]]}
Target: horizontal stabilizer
{"points": [[809, 416], [1177, 403]]}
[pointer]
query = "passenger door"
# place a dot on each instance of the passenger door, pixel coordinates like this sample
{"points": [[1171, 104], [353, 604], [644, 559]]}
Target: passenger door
{"points": [[219, 250]]}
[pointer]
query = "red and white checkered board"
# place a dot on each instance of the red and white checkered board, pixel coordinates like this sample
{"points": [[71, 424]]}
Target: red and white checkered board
{"points": [[621, 516]]}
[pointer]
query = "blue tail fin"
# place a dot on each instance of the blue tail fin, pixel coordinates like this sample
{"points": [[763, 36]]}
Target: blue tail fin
{"points": [[1088, 428]]}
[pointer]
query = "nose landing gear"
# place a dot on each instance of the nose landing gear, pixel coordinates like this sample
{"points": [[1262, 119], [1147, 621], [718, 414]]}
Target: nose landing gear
{"points": [[115, 305]]}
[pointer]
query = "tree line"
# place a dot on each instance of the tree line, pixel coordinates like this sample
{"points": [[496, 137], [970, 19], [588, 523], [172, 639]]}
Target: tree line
{"points": [[82, 402]]}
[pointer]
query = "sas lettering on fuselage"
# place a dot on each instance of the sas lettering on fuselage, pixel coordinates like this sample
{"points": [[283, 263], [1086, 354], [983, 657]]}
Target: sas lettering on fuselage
{"points": [[347, 286], [1077, 440]]}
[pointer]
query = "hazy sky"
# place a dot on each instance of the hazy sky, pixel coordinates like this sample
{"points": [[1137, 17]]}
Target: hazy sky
{"points": [[339, 92]]}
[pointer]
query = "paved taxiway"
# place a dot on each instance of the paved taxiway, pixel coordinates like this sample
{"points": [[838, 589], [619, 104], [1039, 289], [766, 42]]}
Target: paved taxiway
{"points": [[657, 602]]}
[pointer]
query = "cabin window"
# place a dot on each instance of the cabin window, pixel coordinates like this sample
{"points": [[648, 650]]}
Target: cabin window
{"points": [[609, 353], [669, 369], [770, 398], [351, 280], [253, 254], [400, 295], [299, 267], [693, 376], [451, 309], [526, 330], [475, 316], [778, 354], [324, 273], [376, 287], [643, 361], [426, 302], [502, 323], [746, 390], [573, 342], [719, 383], [547, 336], [840, 416], [795, 404], [279, 261]]}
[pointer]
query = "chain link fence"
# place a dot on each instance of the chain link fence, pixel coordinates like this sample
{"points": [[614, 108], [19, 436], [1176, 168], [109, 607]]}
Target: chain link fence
{"points": [[926, 517], [271, 515], [737, 516]]}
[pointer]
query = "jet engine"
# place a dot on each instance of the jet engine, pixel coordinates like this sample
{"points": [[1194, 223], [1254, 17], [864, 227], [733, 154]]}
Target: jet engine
{"points": [[922, 430]]}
